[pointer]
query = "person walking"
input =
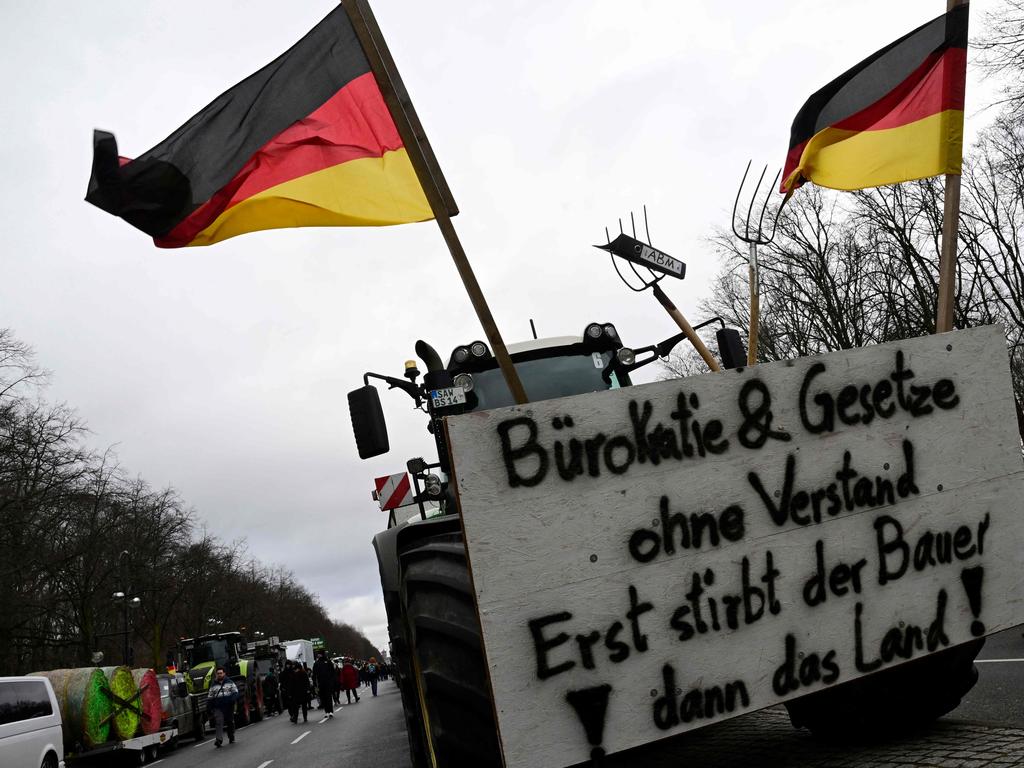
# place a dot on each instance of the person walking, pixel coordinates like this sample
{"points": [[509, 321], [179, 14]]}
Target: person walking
{"points": [[297, 689], [323, 676], [371, 674], [270, 693], [310, 688], [286, 673], [221, 699], [350, 680]]}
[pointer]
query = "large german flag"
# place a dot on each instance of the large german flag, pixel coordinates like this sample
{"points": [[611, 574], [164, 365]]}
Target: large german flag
{"points": [[306, 141], [896, 116]]}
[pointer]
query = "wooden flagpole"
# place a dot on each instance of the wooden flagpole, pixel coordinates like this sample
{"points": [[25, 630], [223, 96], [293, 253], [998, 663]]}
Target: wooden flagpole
{"points": [[442, 203], [685, 327], [950, 239]]}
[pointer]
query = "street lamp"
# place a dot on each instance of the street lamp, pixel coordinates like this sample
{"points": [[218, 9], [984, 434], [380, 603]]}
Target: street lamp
{"points": [[129, 603]]}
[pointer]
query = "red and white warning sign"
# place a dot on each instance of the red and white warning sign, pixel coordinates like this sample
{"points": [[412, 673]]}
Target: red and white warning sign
{"points": [[393, 491]]}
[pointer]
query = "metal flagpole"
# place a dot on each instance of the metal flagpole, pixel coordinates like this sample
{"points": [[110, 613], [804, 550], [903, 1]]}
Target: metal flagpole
{"points": [[442, 204], [950, 239]]}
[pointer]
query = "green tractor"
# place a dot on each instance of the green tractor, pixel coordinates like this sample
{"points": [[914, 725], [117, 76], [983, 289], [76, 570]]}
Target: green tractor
{"points": [[430, 604], [202, 656]]}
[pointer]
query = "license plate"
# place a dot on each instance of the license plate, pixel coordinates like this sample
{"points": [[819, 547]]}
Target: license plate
{"points": [[449, 396]]}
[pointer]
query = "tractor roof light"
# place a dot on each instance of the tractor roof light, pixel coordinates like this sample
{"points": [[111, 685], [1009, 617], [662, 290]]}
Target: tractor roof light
{"points": [[479, 349], [460, 354], [601, 336]]}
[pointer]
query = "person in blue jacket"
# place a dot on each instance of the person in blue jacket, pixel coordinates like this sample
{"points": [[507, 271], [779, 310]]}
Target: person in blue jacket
{"points": [[221, 701]]}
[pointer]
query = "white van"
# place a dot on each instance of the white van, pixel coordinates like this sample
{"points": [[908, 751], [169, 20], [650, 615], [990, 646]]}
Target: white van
{"points": [[30, 727]]}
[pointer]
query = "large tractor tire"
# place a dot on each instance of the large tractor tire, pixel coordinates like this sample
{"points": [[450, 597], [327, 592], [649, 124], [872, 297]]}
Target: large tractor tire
{"points": [[893, 701], [404, 678], [243, 708], [446, 653]]}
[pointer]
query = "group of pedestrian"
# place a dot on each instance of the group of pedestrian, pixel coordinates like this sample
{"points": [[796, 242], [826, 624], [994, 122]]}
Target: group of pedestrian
{"points": [[295, 688]]}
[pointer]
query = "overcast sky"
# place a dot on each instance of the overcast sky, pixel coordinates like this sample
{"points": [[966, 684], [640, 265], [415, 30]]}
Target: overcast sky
{"points": [[222, 371]]}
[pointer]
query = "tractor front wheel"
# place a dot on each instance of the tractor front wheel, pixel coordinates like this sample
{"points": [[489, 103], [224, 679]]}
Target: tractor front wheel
{"points": [[893, 701]]}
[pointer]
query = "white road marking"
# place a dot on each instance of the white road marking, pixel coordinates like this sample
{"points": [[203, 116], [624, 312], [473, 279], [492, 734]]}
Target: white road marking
{"points": [[324, 720], [994, 661], [157, 761], [300, 738], [264, 765]]}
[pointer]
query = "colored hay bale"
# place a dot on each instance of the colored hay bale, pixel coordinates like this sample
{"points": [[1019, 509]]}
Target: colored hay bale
{"points": [[124, 701], [84, 705], [149, 696]]}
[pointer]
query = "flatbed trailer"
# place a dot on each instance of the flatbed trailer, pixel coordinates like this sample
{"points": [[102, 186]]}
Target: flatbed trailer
{"points": [[138, 751]]}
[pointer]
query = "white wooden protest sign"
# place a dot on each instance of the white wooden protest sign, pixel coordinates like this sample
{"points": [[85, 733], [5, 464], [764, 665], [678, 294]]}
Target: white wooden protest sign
{"points": [[652, 559]]}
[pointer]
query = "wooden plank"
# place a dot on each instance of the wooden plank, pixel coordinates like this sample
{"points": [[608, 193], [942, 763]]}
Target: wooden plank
{"points": [[582, 602]]}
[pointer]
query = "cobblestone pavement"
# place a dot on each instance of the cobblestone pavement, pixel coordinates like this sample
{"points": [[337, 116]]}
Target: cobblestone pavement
{"points": [[766, 739]]}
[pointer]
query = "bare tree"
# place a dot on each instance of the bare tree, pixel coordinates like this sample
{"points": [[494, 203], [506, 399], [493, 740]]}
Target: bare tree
{"points": [[1002, 52]]}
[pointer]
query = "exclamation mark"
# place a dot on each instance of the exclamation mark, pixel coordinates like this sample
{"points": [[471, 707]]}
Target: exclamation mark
{"points": [[591, 705], [972, 578]]}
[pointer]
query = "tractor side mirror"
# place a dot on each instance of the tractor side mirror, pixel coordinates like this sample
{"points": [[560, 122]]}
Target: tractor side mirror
{"points": [[730, 348], [368, 425]]}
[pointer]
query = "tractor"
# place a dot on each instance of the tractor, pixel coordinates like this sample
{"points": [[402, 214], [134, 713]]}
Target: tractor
{"points": [[202, 656], [428, 596]]}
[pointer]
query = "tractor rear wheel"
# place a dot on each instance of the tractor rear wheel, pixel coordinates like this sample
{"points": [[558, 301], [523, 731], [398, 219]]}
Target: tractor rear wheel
{"points": [[446, 653], [406, 682], [893, 701]]}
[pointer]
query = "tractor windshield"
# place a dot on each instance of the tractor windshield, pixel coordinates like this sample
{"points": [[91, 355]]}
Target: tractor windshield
{"points": [[210, 650], [543, 378]]}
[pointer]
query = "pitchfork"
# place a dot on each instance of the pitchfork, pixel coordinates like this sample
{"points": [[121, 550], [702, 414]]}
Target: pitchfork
{"points": [[753, 237], [663, 299]]}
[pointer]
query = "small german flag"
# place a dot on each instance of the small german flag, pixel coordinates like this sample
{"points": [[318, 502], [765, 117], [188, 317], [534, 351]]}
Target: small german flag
{"points": [[306, 141], [896, 116]]}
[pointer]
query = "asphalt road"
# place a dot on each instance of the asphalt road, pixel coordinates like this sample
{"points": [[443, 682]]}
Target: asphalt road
{"points": [[370, 734]]}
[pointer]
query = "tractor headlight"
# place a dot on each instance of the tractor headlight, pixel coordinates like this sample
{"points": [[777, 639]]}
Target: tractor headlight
{"points": [[464, 380], [625, 356], [461, 354], [479, 349], [610, 332], [594, 330]]}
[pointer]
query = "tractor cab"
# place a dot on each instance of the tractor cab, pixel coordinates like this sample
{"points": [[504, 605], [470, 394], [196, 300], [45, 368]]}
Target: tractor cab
{"points": [[202, 656], [471, 381]]}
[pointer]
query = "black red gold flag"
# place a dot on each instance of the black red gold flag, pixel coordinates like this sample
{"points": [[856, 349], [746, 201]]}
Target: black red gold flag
{"points": [[306, 141], [896, 116]]}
